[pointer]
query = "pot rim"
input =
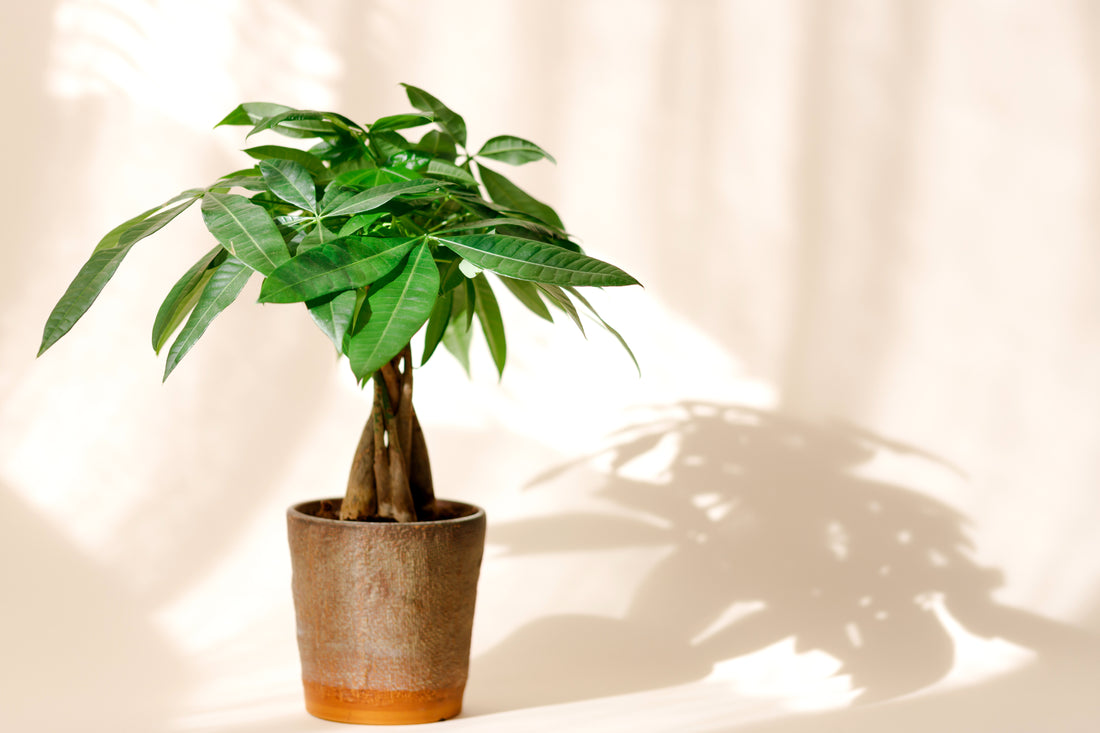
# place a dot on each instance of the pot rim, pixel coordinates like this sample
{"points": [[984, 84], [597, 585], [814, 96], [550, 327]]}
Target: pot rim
{"points": [[295, 512]]}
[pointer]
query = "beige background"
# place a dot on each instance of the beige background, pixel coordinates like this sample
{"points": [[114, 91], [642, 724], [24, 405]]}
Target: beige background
{"points": [[864, 496]]}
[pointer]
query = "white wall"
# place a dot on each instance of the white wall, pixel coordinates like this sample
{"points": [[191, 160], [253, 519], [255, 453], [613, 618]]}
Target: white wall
{"points": [[870, 339]]}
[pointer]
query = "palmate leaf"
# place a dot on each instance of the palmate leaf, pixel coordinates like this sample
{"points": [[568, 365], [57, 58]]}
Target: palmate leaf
{"points": [[584, 301], [339, 201], [359, 222], [504, 192], [364, 178], [291, 182], [133, 230], [526, 259], [437, 325], [463, 304], [329, 268], [399, 306], [101, 266], [317, 235], [503, 221], [307, 123], [309, 161], [450, 270], [184, 295], [225, 285], [488, 315], [398, 122], [535, 229], [388, 143], [450, 172], [333, 314], [249, 113], [342, 153], [437, 144], [513, 150], [246, 230], [456, 337], [528, 294], [558, 297], [451, 122], [248, 179]]}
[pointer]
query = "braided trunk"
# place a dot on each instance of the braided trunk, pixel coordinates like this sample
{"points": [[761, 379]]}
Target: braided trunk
{"points": [[391, 478]]}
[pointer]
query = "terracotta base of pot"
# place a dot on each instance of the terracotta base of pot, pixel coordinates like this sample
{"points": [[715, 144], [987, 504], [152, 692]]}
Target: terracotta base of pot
{"points": [[381, 707]]}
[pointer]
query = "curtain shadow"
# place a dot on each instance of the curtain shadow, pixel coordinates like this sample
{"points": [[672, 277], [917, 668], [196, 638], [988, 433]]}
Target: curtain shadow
{"points": [[774, 535]]}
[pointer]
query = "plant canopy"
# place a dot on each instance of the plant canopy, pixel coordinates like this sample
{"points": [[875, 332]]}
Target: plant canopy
{"points": [[379, 232]]}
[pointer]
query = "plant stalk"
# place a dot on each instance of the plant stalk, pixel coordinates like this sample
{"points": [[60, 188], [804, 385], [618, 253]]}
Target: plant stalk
{"points": [[391, 477]]}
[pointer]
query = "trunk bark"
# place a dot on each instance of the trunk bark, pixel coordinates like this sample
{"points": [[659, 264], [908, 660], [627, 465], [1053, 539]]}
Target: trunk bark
{"points": [[391, 477]]}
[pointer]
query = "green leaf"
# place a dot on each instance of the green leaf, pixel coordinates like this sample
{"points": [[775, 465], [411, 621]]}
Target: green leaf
{"points": [[535, 227], [513, 150], [606, 325], [469, 269], [291, 182], [456, 337], [437, 144], [437, 324], [360, 179], [528, 294], [250, 113], [526, 259], [329, 268], [465, 302], [342, 151], [184, 295], [225, 285], [451, 122], [398, 122], [309, 161], [359, 222], [450, 172], [558, 297], [450, 272], [340, 204], [408, 160], [307, 123], [483, 207], [399, 306], [318, 235], [248, 179], [246, 230], [488, 315], [504, 192], [150, 222], [333, 314], [388, 144], [509, 230], [101, 266]]}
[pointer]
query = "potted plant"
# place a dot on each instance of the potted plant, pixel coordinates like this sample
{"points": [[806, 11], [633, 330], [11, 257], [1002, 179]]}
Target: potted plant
{"points": [[380, 234]]}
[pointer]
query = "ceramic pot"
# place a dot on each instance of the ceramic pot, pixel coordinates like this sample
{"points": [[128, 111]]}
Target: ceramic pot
{"points": [[385, 612]]}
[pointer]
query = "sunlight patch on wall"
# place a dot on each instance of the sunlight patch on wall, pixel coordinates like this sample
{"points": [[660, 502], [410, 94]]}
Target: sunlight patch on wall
{"points": [[805, 681], [189, 61]]}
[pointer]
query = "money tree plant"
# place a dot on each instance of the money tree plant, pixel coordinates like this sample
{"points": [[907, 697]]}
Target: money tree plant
{"points": [[380, 232]]}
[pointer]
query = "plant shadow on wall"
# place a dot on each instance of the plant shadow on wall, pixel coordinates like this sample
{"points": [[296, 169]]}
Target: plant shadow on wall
{"points": [[773, 535]]}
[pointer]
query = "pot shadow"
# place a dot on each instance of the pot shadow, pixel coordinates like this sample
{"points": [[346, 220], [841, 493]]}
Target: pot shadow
{"points": [[773, 535]]}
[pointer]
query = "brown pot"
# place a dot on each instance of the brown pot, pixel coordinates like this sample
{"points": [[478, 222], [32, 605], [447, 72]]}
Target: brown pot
{"points": [[385, 612]]}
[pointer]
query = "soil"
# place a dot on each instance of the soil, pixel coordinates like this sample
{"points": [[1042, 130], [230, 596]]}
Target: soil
{"points": [[330, 509]]}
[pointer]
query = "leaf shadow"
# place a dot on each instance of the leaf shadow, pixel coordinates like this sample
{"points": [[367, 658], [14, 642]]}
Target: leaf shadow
{"points": [[776, 533]]}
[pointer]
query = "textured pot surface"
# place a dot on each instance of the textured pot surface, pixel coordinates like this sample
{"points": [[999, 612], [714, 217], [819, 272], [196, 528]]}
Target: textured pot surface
{"points": [[385, 612]]}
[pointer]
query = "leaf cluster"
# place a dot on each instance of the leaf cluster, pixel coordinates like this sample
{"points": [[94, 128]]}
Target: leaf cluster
{"points": [[379, 230]]}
